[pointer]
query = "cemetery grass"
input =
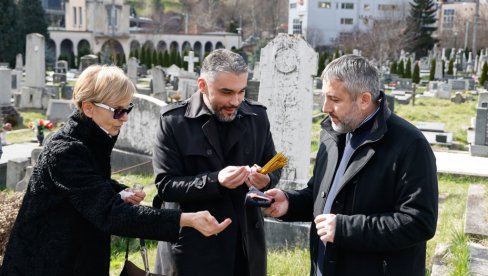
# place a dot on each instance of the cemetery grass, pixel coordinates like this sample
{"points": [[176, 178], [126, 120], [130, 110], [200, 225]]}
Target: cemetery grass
{"points": [[453, 192], [456, 117], [22, 133]]}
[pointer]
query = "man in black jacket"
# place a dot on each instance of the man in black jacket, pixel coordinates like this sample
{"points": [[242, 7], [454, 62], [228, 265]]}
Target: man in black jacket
{"points": [[205, 148], [373, 195]]}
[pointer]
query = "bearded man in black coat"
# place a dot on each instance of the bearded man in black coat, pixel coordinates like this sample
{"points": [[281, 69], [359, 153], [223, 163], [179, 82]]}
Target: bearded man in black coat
{"points": [[204, 159], [373, 195]]}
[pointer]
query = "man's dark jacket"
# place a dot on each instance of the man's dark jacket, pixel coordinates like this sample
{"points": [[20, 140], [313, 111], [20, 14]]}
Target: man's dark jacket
{"points": [[387, 203], [71, 207], [187, 158]]}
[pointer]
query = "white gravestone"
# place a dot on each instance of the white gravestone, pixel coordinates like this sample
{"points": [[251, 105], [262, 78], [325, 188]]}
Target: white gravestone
{"points": [[6, 86], [19, 63], [32, 93], [438, 69], [288, 65], [132, 69], [191, 59], [35, 73], [158, 83]]}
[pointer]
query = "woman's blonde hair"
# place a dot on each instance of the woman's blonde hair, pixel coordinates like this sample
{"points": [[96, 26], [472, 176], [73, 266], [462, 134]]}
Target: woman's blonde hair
{"points": [[102, 84]]}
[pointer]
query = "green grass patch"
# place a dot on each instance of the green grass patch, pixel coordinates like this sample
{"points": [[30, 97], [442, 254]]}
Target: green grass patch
{"points": [[456, 117], [458, 257], [21, 136]]}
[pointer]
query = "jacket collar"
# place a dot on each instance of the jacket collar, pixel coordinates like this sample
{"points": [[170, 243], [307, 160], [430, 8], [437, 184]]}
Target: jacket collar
{"points": [[85, 129], [196, 107], [377, 125]]}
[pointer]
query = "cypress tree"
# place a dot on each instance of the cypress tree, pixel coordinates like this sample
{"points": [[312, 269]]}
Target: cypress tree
{"points": [[322, 58], [142, 59], [166, 59], [72, 60], [154, 58], [484, 74], [401, 69], [148, 53], [393, 68], [10, 38], [33, 18], [160, 58], [416, 73], [420, 26], [136, 53], [337, 54], [450, 67], [432, 70], [408, 69]]}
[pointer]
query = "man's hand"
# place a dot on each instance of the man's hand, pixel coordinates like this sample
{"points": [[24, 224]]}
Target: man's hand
{"points": [[326, 224], [204, 222], [280, 206], [258, 180], [133, 197], [232, 177]]}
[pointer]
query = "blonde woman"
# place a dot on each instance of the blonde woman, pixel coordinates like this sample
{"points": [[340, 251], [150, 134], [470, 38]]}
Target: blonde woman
{"points": [[72, 206]]}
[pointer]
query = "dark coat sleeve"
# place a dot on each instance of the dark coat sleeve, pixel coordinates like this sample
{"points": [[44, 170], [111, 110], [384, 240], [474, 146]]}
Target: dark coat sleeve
{"points": [[172, 182], [415, 215], [95, 198]]}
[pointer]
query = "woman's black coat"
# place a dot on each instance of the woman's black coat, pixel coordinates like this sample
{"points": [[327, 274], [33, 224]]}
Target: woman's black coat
{"points": [[71, 207]]}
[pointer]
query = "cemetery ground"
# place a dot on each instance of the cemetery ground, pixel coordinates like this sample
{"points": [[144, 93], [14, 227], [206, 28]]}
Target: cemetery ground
{"points": [[295, 261]]}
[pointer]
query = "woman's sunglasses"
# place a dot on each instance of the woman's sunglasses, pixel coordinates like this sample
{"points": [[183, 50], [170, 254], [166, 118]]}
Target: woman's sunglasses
{"points": [[118, 112]]}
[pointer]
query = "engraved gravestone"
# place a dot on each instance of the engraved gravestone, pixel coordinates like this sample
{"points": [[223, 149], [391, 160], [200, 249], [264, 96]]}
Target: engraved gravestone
{"points": [[32, 94], [287, 66]]}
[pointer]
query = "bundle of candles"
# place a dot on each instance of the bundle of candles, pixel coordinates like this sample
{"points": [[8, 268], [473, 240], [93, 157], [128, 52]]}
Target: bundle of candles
{"points": [[277, 162]]}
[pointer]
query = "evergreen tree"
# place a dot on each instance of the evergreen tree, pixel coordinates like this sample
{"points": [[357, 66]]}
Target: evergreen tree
{"points": [[33, 18], [72, 60], [10, 38], [337, 54], [416, 73], [142, 59], [393, 68], [408, 69], [322, 59], [173, 57], [450, 67], [166, 59], [148, 53], [432, 70], [484, 74], [154, 58], [420, 26], [401, 69], [160, 58], [136, 53]]}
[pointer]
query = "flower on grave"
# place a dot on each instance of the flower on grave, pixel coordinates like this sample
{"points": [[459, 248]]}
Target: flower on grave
{"points": [[40, 125]]}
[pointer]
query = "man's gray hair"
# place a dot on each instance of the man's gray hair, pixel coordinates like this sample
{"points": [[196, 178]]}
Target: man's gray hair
{"points": [[222, 60], [357, 74]]}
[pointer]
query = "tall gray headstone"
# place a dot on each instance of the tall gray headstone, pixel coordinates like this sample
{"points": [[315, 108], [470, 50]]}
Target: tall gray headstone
{"points": [[33, 90], [35, 72], [288, 65], [158, 83], [132, 65], [438, 69], [87, 60], [19, 62], [6, 86], [480, 147]]}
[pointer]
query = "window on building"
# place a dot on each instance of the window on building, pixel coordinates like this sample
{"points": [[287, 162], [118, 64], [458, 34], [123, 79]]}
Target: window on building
{"points": [[293, 5], [113, 16], [325, 5], [297, 26], [448, 18], [347, 6], [387, 7], [343, 36], [346, 21], [74, 16], [366, 7], [81, 17]]}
